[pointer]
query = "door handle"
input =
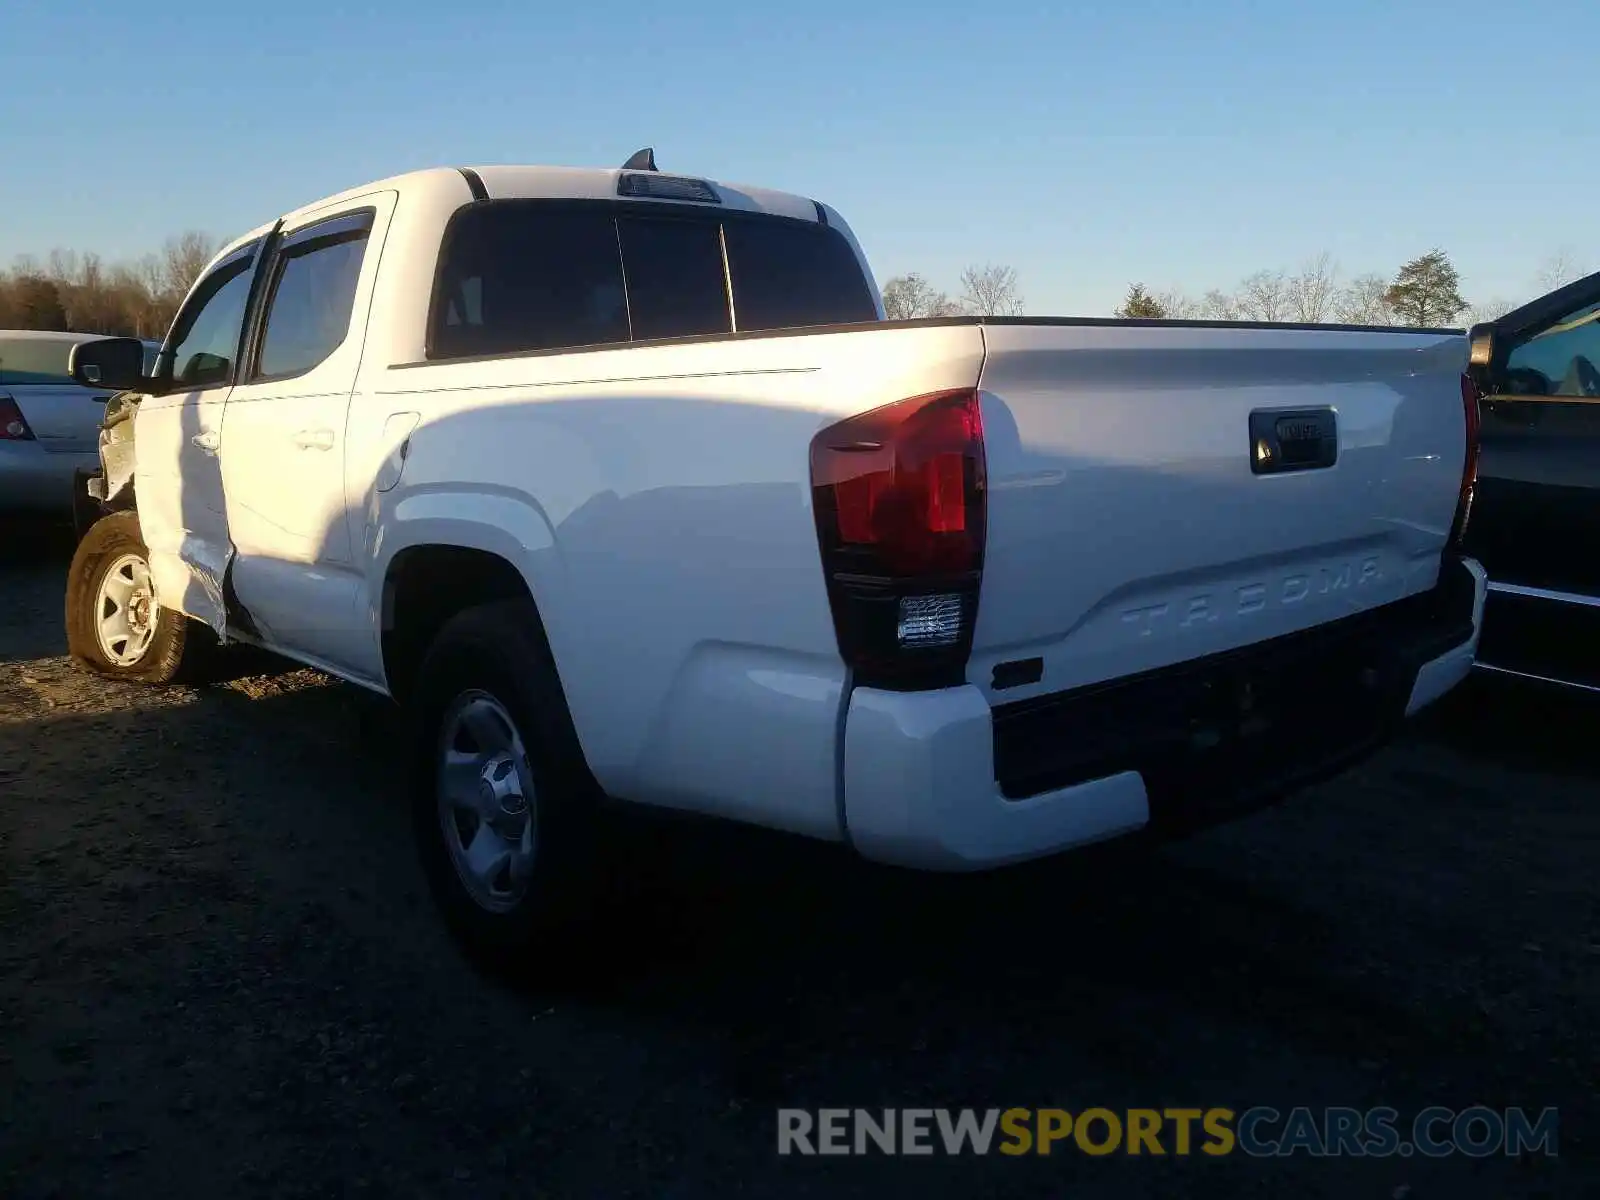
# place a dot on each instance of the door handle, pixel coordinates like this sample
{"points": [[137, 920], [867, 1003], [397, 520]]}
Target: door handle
{"points": [[208, 440], [314, 439]]}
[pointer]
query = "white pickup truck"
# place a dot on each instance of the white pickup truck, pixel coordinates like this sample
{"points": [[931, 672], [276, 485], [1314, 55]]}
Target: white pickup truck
{"points": [[622, 484]]}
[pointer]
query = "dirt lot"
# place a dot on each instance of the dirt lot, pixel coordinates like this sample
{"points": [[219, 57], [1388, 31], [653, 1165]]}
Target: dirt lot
{"points": [[219, 975]]}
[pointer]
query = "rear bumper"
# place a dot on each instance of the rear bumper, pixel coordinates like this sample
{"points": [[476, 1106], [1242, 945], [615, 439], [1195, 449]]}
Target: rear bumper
{"points": [[939, 780], [1541, 634], [33, 481]]}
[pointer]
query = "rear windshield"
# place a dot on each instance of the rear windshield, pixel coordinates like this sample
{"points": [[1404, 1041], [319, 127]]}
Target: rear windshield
{"points": [[526, 275], [34, 360]]}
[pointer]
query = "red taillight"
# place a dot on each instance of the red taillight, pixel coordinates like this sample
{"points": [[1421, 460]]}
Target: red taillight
{"points": [[1469, 469], [13, 426], [900, 508]]}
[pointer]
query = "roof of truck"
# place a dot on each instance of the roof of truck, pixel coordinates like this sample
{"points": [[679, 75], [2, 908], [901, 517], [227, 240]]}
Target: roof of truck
{"points": [[511, 182]]}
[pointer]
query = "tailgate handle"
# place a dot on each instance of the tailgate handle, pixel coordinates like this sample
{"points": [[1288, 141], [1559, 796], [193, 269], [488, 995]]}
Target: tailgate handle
{"points": [[1293, 439]]}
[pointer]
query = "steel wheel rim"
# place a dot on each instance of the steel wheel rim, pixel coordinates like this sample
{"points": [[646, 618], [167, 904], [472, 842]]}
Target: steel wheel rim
{"points": [[488, 811], [125, 611]]}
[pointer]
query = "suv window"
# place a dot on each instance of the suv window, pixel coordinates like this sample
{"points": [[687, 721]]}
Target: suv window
{"points": [[676, 284], [205, 338], [1563, 360], [313, 292], [513, 277], [788, 274]]}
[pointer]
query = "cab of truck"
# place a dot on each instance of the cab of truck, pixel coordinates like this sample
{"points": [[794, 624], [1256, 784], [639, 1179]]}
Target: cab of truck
{"points": [[1535, 518]]}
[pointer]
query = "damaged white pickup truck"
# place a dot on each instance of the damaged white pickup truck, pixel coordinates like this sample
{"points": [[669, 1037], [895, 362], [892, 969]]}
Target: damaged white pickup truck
{"points": [[620, 482]]}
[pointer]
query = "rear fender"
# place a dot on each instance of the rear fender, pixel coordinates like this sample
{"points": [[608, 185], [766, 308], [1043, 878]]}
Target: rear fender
{"points": [[504, 522]]}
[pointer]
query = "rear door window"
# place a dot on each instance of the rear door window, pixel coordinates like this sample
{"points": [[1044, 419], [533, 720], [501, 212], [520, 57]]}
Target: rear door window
{"points": [[788, 274], [313, 292], [676, 283]]}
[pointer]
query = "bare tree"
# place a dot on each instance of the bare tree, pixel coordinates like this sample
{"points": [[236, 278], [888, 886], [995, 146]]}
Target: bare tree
{"points": [[1313, 289], [991, 291], [907, 297], [182, 260], [1264, 296], [1489, 310], [79, 292], [1362, 302], [37, 300], [1219, 306], [1178, 306], [1560, 269]]}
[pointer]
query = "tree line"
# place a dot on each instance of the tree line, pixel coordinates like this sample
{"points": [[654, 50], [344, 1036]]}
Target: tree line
{"points": [[82, 293], [85, 294], [1426, 291], [989, 290]]}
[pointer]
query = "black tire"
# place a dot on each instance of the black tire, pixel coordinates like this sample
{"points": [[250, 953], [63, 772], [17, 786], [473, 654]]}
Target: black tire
{"points": [[176, 644], [499, 651]]}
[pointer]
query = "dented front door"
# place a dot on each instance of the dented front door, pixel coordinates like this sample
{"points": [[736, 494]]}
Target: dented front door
{"points": [[178, 476]]}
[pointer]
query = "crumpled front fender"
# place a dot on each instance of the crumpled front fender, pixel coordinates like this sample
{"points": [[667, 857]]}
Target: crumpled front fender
{"points": [[117, 449]]}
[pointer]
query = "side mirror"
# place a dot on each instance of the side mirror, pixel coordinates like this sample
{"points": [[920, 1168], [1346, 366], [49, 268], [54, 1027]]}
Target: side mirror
{"points": [[115, 363], [1480, 357], [1481, 338]]}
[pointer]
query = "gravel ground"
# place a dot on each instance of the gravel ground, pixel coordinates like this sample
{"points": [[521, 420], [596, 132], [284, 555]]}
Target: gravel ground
{"points": [[220, 976]]}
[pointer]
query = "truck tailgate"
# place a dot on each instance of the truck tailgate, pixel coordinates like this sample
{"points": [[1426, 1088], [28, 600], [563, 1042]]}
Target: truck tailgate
{"points": [[1127, 529]]}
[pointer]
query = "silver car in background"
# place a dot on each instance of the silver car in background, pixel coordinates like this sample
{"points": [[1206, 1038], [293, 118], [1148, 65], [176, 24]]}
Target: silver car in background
{"points": [[49, 425]]}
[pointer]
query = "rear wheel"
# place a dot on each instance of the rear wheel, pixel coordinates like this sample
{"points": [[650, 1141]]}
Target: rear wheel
{"points": [[115, 625], [502, 808]]}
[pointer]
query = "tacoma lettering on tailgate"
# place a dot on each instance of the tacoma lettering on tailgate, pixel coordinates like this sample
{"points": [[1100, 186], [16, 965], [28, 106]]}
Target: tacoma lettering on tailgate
{"points": [[1249, 599]]}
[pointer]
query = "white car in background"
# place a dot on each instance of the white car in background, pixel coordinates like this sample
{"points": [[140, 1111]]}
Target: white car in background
{"points": [[49, 425]]}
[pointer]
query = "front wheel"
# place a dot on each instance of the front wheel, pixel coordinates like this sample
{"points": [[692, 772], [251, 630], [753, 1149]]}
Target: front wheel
{"points": [[115, 625], [502, 812]]}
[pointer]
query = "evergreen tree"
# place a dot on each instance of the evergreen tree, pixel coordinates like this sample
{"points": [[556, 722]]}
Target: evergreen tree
{"points": [[1140, 303], [1427, 291]]}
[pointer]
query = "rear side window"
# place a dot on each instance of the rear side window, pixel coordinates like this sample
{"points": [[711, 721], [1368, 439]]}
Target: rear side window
{"points": [[515, 278], [787, 274], [313, 292], [676, 284]]}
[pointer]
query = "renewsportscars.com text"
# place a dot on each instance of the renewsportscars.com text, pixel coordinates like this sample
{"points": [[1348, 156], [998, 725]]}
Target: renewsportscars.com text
{"points": [[1260, 1132]]}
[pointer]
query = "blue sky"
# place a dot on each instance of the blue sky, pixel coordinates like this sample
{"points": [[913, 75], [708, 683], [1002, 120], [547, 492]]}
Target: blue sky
{"points": [[1184, 144]]}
